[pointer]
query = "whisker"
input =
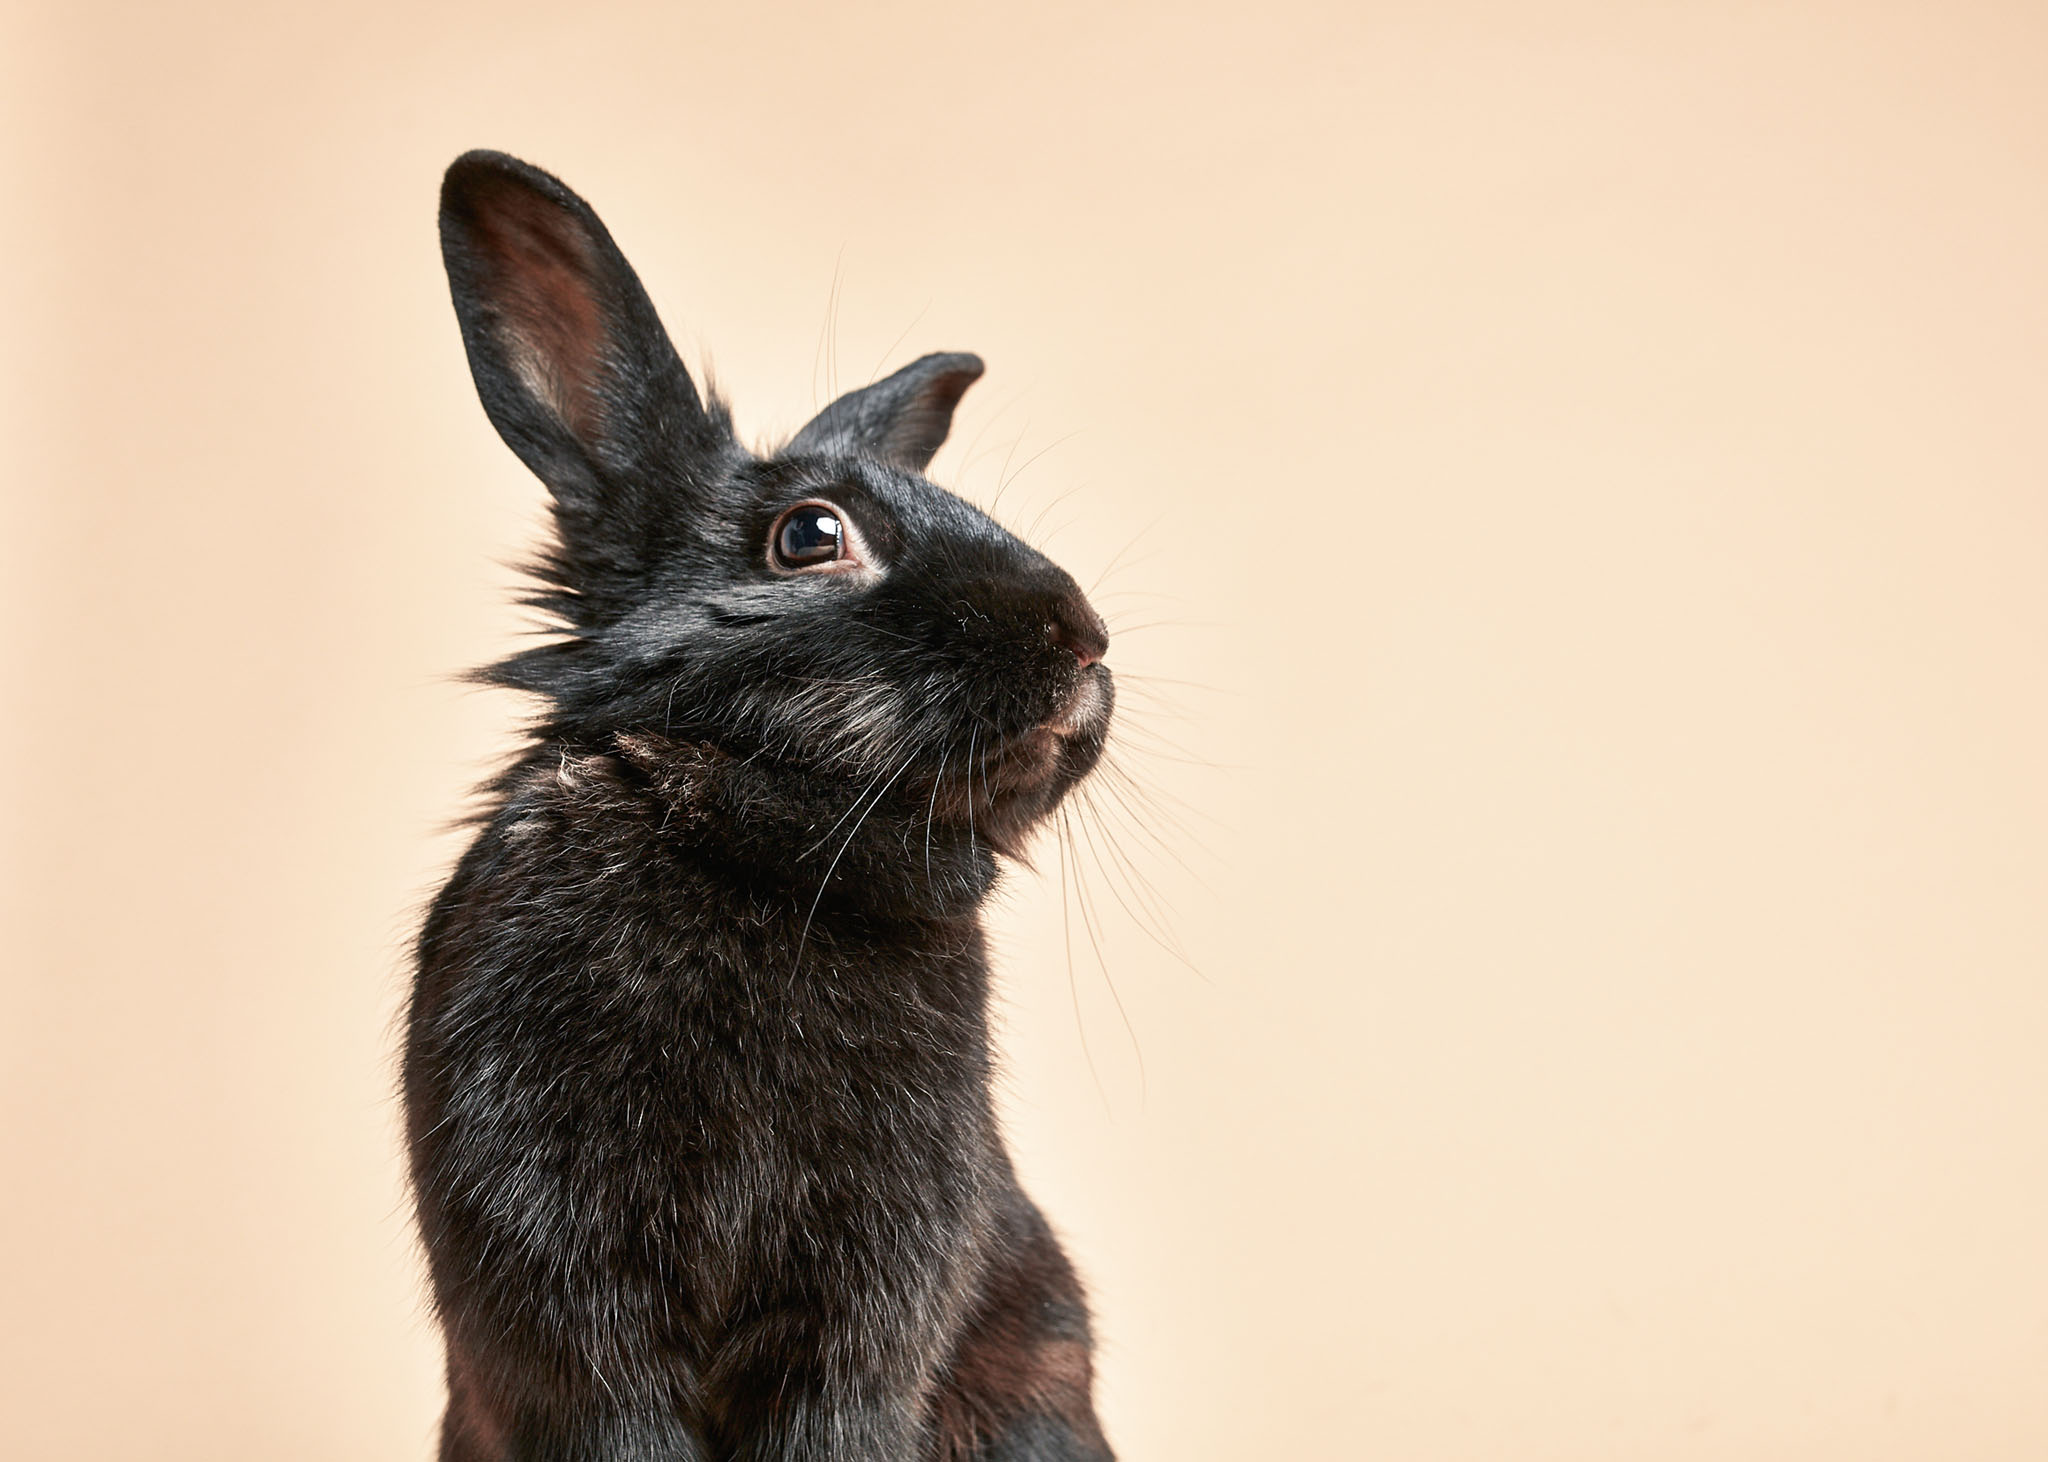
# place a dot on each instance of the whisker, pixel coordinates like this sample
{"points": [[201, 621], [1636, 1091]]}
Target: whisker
{"points": [[1010, 477], [1003, 472], [1135, 540], [1153, 924], [876, 374], [1164, 748], [1073, 985], [972, 453], [832, 354], [830, 868], [1141, 887], [1123, 676], [972, 732], [1110, 595], [1095, 939], [1031, 533], [1118, 630], [1154, 797], [929, 813], [818, 357], [1146, 831]]}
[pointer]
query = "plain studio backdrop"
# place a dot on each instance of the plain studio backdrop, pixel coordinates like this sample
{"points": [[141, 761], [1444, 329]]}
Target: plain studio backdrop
{"points": [[1570, 486]]}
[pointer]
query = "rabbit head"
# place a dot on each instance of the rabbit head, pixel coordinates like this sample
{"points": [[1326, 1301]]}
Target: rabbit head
{"points": [[821, 613]]}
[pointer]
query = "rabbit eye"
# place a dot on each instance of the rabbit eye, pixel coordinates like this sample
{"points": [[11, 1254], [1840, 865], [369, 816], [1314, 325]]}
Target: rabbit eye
{"points": [[806, 536]]}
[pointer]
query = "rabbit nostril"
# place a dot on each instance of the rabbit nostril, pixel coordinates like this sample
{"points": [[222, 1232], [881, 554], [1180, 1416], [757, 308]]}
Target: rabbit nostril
{"points": [[1076, 629]]}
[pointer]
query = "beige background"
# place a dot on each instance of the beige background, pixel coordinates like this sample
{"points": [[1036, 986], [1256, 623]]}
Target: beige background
{"points": [[1592, 459]]}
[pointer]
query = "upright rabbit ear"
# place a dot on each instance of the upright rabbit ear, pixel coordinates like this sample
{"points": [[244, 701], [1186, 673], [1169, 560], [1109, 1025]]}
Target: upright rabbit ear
{"points": [[571, 361], [902, 419]]}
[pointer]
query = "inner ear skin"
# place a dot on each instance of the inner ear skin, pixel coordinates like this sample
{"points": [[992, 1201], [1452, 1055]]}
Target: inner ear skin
{"points": [[549, 323]]}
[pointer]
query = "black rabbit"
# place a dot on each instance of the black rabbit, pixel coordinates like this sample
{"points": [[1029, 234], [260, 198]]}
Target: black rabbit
{"points": [[697, 1063]]}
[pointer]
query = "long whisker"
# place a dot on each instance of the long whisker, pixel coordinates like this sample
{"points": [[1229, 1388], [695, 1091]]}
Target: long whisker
{"points": [[1157, 800], [851, 808], [875, 374], [1074, 985], [1135, 540], [972, 454], [1128, 795], [931, 811], [1030, 534], [818, 357], [1118, 629], [1095, 939], [1160, 921], [1131, 676], [1164, 748], [832, 352], [823, 883], [1010, 477], [1153, 923], [1003, 472], [972, 732]]}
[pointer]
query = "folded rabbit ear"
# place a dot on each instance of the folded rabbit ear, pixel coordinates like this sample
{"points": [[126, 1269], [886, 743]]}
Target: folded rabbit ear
{"points": [[902, 419], [569, 357]]}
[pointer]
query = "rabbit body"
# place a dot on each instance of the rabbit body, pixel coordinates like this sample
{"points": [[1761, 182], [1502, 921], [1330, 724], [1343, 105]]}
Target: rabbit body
{"points": [[697, 1064]]}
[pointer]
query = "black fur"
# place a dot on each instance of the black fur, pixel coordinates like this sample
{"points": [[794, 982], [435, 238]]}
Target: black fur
{"points": [[697, 1068]]}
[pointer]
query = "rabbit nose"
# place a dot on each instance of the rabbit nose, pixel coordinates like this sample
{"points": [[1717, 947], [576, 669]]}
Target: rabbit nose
{"points": [[1073, 625]]}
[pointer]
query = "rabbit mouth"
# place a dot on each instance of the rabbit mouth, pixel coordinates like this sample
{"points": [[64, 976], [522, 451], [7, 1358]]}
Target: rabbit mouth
{"points": [[1069, 740], [1086, 710], [1017, 782]]}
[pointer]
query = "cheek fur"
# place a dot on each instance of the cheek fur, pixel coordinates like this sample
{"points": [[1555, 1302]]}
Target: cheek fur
{"points": [[855, 723]]}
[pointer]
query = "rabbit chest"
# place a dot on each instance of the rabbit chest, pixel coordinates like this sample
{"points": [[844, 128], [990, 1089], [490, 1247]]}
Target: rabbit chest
{"points": [[652, 1102]]}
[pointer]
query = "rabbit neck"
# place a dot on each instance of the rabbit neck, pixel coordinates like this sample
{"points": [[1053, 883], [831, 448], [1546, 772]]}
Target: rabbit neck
{"points": [[780, 834]]}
